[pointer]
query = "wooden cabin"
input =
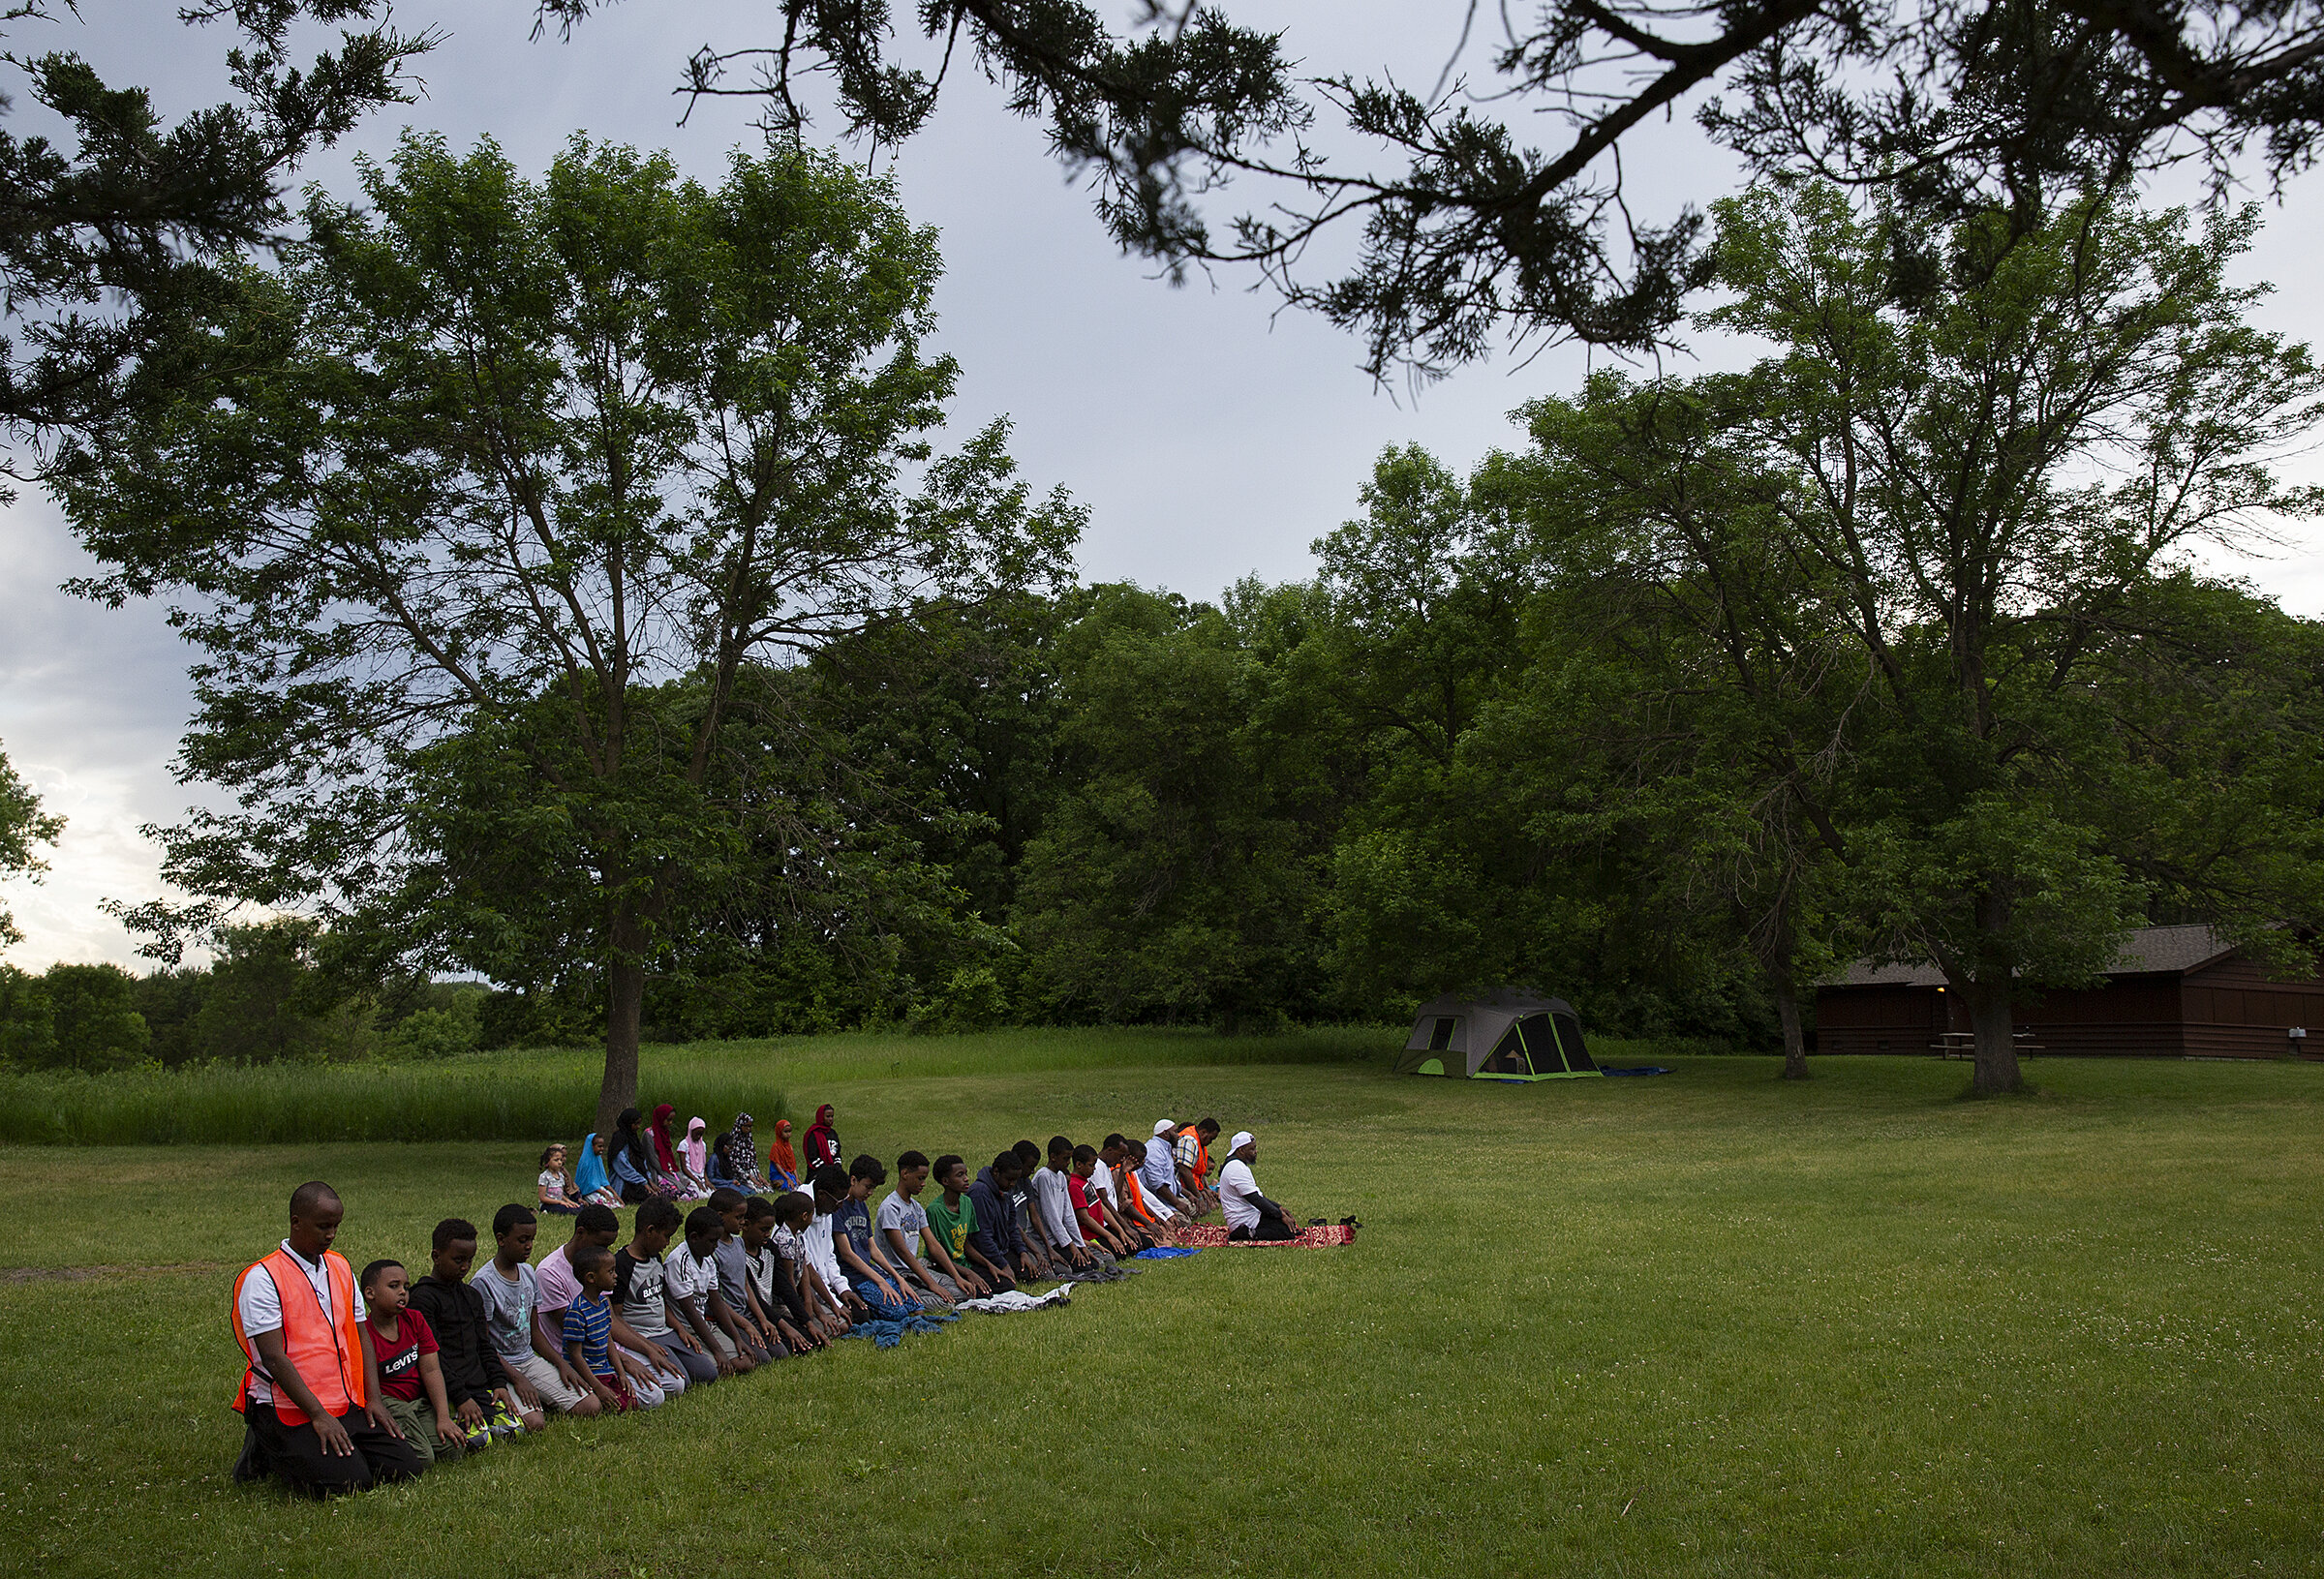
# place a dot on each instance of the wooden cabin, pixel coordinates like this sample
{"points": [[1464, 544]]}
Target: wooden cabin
{"points": [[2178, 992]]}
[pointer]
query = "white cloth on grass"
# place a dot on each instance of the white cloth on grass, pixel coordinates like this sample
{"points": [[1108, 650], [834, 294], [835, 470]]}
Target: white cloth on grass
{"points": [[1012, 1300]]}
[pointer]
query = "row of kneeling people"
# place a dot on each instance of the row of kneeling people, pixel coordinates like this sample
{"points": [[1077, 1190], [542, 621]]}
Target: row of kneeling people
{"points": [[352, 1379]]}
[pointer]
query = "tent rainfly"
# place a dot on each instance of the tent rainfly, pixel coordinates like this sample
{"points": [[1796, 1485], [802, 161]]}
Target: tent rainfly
{"points": [[1503, 1035]]}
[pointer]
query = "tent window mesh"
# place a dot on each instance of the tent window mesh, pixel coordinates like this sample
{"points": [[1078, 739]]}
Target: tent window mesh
{"points": [[1440, 1033], [1508, 1055], [1542, 1043], [1568, 1036]]}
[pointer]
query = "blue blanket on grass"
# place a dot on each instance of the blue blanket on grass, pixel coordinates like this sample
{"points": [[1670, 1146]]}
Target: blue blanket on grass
{"points": [[1163, 1252], [888, 1334]]}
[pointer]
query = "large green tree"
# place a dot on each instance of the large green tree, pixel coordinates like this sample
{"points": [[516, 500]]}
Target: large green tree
{"points": [[1984, 459], [485, 552], [1524, 767], [1173, 875], [1719, 691]]}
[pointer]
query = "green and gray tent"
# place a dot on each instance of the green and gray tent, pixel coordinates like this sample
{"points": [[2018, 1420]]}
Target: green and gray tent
{"points": [[1508, 1035]]}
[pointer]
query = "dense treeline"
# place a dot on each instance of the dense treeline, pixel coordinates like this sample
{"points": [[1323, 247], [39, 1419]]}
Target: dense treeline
{"points": [[271, 995], [1306, 802]]}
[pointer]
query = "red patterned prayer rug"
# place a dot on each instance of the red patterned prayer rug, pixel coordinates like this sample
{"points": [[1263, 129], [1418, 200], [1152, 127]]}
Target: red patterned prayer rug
{"points": [[1213, 1236]]}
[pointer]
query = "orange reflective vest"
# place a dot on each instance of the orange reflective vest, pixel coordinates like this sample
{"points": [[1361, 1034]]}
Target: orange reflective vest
{"points": [[1133, 1196], [1202, 1156], [326, 1351]]}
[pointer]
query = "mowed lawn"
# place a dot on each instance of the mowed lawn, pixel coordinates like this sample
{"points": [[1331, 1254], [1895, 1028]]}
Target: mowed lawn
{"points": [[1709, 1323]]}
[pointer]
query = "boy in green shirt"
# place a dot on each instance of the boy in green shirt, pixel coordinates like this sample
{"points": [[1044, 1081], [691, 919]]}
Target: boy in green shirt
{"points": [[951, 1221]]}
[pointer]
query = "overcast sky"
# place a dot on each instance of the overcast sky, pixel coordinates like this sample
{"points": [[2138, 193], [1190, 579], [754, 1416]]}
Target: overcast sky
{"points": [[1211, 436]]}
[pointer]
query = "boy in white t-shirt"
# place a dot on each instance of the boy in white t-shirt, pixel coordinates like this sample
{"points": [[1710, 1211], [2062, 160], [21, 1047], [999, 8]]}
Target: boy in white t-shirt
{"points": [[794, 1218], [828, 1188], [1249, 1214], [691, 1282]]}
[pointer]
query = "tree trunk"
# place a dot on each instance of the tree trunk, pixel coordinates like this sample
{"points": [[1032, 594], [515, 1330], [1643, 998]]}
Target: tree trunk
{"points": [[1795, 1040], [1995, 1041], [625, 1013]]}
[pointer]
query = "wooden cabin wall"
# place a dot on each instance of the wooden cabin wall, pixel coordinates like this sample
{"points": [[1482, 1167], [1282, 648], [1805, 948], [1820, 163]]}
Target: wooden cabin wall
{"points": [[2229, 1009]]}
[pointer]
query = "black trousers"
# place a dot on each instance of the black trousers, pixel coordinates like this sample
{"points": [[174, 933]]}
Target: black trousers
{"points": [[1271, 1226], [294, 1452]]}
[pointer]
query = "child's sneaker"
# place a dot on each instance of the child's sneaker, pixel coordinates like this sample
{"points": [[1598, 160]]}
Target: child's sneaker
{"points": [[477, 1437], [504, 1424]]}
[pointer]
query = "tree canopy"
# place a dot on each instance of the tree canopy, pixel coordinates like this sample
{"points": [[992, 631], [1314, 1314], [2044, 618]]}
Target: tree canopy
{"points": [[24, 829], [112, 245], [1466, 230], [500, 553], [1936, 547]]}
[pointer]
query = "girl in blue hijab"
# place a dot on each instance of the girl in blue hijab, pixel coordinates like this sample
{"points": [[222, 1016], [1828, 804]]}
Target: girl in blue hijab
{"points": [[591, 1181]]}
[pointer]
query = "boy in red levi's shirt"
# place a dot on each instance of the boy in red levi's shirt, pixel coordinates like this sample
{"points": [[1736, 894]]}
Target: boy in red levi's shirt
{"points": [[1089, 1206], [410, 1378], [1091, 1195]]}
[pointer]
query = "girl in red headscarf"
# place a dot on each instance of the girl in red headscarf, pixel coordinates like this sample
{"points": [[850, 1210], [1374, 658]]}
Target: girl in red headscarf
{"points": [[782, 1163], [682, 1184], [823, 1141]]}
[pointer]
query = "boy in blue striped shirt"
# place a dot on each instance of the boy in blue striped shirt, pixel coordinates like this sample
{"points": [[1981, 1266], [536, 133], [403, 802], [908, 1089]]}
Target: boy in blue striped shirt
{"points": [[589, 1330]]}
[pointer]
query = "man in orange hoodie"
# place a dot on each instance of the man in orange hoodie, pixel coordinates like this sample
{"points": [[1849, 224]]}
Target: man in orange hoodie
{"points": [[310, 1396]]}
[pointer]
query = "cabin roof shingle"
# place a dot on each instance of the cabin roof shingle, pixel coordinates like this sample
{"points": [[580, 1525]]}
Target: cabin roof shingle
{"points": [[2151, 950]]}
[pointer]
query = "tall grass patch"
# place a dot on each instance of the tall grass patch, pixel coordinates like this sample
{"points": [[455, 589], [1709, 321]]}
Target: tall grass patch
{"points": [[529, 1095], [477, 1099]]}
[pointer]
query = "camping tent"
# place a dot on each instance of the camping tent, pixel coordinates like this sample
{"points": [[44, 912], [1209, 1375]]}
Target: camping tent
{"points": [[1508, 1035]]}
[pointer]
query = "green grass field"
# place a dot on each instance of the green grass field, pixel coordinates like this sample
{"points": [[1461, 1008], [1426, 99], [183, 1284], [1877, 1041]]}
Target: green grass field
{"points": [[1710, 1323]]}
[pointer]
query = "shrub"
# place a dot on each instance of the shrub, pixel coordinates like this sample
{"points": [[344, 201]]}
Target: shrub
{"points": [[439, 1033], [972, 1000], [72, 1018]]}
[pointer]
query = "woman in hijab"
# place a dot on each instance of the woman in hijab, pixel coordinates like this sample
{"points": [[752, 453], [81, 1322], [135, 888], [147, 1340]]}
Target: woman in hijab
{"points": [[590, 1182], [782, 1163], [665, 1157], [635, 1174], [736, 1152], [823, 1141], [694, 1152]]}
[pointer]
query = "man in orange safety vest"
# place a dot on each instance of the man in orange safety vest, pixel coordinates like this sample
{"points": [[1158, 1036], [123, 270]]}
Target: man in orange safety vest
{"points": [[309, 1394], [1192, 1155]]}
